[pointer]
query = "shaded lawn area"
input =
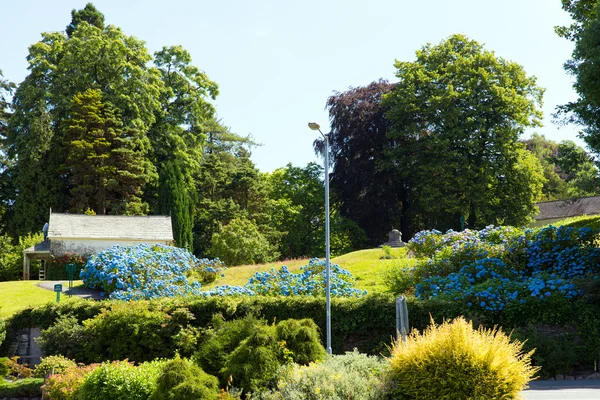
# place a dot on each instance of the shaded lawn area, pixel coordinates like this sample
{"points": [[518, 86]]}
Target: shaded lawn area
{"points": [[17, 295], [365, 265]]}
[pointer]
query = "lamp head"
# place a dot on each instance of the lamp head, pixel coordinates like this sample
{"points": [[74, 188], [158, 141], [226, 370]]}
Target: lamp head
{"points": [[314, 126]]}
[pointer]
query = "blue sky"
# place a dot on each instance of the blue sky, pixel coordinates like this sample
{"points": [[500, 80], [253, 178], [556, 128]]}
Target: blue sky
{"points": [[276, 62]]}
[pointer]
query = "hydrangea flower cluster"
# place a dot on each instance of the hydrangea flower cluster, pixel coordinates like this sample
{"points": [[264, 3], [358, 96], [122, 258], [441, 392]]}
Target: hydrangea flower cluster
{"points": [[496, 266], [145, 272], [310, 280]]}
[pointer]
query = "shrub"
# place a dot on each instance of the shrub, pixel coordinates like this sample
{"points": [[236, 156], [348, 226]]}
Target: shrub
{"points": [[65, 337], [128, 330], [387, 253], [454, 361], [3, 367], [221, 340], [181, 380], [14, 370], [142, 272], [301, 338], [52, 364], [24, 388], [255, 361], [340, 377], [11, 256], [240, 242], [65, 386], [120, 380], [309, 281]]}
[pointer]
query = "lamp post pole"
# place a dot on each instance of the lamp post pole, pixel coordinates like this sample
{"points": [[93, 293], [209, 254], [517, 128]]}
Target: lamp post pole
{"points": [[315, 126]]}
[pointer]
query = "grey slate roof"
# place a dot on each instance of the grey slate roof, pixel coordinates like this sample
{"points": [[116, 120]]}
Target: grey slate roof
{"points": [[568, 208], [43, 247], [76, 226]]}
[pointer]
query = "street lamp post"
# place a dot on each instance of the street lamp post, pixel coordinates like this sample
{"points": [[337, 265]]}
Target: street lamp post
{"points": [[315, 127]]}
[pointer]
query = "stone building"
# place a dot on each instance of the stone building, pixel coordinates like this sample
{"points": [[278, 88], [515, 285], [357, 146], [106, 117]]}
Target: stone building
{"points": [[88, 234]]}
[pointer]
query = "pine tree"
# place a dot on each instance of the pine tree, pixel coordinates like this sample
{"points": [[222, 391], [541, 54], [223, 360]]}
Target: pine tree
{"points": [[104, 165]]}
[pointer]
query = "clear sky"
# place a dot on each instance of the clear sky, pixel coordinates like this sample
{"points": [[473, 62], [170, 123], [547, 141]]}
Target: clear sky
{"points": [[276, 62]]}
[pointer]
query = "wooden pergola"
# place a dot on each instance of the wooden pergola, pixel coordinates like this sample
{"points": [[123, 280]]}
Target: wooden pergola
{"points": [[40, 251]]}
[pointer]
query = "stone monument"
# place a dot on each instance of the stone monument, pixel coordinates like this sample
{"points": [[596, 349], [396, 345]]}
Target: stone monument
{"points": [[394, 239]]}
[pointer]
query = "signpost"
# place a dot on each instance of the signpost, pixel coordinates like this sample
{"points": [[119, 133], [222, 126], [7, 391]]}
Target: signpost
{"points": [[401, 318], [58, 290]]}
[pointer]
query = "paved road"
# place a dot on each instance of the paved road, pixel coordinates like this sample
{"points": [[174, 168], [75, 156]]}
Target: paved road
{"points": [[79, 291], [588, 389]]}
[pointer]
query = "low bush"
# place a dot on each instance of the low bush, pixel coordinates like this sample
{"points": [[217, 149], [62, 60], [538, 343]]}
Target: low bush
{"points": [[352, 376], [181, 380], [453, 361], [65, 386], [65, 337], [52, 364], [120, 380], [13, 370], [29, 387]]}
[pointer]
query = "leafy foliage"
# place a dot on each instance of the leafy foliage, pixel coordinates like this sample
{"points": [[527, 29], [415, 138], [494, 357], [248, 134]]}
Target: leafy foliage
{"points": [[240, 242], [301, 338], [454, 361], [120, 380], [24, 388], [456, 114], [11, 256], [65, 337], [52, 364]]}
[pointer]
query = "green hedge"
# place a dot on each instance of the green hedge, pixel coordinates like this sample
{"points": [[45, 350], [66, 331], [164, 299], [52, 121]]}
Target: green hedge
{"points": [[30, 387], [366, 323]]}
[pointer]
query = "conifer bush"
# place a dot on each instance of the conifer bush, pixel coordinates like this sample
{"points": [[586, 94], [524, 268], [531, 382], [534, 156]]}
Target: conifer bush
{"points": [[453, 361], [301, 338], [181, 380]]}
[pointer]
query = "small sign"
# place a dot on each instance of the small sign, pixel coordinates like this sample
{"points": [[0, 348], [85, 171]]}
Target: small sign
{"points": [[58, 288]]}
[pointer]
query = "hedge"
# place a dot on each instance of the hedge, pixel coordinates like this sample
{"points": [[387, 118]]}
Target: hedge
{"points": [[30, 387], [366, 323]]}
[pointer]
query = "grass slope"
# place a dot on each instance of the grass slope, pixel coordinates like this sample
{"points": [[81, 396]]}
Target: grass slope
{"points": [[365, 265], [17, 295]]}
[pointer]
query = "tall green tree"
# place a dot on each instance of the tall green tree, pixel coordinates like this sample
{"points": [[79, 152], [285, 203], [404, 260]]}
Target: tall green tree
{"points": [[584, 67], [457, 113], [555, 187], [92, 57], [577, 168], [88, 14], [176, 201], [105, 167]]}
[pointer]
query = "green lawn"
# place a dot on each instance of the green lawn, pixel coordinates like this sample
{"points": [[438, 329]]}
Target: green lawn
{"points": [[365, 265], [17, 295]]}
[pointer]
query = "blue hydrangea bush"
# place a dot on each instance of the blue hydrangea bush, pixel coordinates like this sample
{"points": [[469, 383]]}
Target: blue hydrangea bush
{"points": [[146, 272], [309, 281], [498, 266]]}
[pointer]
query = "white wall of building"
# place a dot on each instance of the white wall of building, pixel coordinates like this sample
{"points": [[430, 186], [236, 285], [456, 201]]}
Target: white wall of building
{"points": [[87, 247]]}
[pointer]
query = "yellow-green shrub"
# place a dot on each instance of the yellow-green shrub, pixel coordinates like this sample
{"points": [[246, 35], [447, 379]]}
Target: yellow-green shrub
{"points": [[453, 361], [55, 364]]}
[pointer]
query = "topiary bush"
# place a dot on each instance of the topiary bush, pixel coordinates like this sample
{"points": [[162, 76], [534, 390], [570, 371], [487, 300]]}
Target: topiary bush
{"points": [[453, 361], [52, 364], [145, 272], [340, 377], [181, 380], [120, 380]]}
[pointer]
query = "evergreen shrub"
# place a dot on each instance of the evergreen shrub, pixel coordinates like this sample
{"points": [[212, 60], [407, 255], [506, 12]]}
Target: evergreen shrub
{"points": [[452, 361], [181, 380]]}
